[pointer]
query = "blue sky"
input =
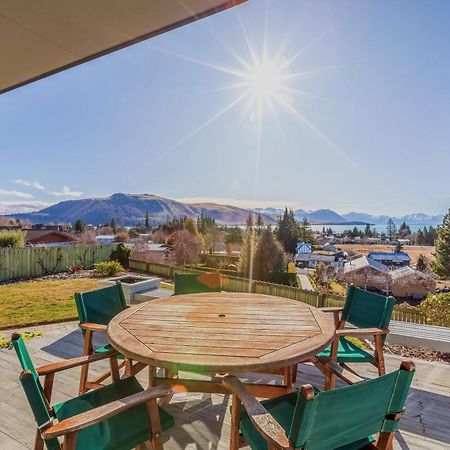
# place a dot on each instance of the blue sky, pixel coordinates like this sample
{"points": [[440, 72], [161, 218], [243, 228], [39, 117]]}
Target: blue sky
{"points": [[367, 128]]}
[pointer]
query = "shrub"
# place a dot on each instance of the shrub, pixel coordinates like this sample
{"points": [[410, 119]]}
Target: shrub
{"points": [[436, 308], [107, 268], [12, 238], [121, 254]]}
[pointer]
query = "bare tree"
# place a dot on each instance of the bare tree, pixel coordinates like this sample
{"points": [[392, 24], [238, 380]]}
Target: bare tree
{"points": [[87, 237], [186, 247], [122, 236]]}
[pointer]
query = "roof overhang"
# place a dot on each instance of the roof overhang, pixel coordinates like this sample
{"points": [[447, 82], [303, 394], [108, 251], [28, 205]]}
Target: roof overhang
{"points": [[39, 38]]}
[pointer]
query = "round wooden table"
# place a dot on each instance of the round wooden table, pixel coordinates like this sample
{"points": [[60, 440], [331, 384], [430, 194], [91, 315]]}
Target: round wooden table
{"points": [[220, 332]]}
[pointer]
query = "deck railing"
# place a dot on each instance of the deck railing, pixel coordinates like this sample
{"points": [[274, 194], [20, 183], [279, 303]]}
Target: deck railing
{"points": [[236, 284], [29, 262]]}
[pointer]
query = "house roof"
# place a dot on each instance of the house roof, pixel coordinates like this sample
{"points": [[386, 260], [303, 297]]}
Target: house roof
{"points": [[363, 262], [314, 257], [35, 235], [44, 37], [387, 256], [407, 272]]}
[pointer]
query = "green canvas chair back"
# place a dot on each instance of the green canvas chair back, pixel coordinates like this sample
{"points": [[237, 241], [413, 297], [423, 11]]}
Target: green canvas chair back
{"points": [[101, 305], [366, 309], [33, 388], [23, 355], [197, 283], [331, 419]]}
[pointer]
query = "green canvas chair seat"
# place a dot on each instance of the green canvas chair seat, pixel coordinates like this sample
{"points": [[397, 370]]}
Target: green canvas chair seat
{"points": [[121, 431], [348, 352], [341, 419], [107, 348], [197, 283]]}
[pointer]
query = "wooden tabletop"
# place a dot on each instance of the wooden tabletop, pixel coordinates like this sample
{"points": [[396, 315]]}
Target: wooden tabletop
{"points": [[221, 332]]}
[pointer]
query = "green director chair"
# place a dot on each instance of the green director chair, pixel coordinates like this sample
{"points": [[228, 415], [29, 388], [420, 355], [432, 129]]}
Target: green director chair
{"points": [[340, 419], [369, 314], [119, 416]]}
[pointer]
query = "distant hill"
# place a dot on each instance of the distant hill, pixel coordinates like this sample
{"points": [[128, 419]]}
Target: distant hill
{"points": [[410, 219], [130, 209], [318, 217]]}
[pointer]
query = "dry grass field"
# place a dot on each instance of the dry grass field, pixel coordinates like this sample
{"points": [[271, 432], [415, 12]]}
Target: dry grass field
{"points": [[40, 301], [413, 250]]}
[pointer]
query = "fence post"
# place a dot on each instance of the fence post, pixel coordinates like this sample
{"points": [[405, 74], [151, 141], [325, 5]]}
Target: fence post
{"points": [[320, 300]]}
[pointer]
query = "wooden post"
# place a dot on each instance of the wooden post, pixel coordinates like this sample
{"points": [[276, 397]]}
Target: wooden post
{"points": [[235, 419]]}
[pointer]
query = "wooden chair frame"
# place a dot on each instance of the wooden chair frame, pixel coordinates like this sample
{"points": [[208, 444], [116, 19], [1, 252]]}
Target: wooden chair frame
{"points": [[268, 426], [330, 367], [68, 428]]}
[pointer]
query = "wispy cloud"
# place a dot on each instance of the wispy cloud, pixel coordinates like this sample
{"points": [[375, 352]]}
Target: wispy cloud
{"points": [[34, 184], [18, 194], [11, 207], [66, 192]]}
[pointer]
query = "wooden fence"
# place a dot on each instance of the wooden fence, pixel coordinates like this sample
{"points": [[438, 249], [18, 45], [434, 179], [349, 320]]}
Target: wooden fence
{"points": [[31, 262], [235, 284]]}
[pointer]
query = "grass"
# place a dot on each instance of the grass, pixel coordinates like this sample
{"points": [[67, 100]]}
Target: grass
{"points": [[337, 288], [26, 335], [43, 301]]}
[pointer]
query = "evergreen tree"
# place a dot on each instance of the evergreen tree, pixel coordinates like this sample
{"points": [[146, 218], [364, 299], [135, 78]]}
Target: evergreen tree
{"points": [[79, 226], [422, 263], [233, 236], [441, 263], [147, 220], [269, 256], [259, 224], [398, 247], [420, 238], [368, 231], [112, 224], [404, 230], [304, 233], [391, 230], [288, 232]]}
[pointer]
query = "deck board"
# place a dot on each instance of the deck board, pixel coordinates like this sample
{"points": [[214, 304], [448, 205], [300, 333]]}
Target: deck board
{"points": [[203, 420]]}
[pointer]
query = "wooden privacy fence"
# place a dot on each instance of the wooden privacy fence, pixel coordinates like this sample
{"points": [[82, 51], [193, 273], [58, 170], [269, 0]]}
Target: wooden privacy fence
{"points": [[236, 284], [31, 262]]}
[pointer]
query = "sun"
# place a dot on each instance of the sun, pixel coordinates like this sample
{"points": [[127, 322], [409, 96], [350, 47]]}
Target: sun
{"points": [[264, 80]]}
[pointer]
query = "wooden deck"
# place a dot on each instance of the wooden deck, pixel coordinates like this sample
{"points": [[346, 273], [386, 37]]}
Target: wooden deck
{"points": [[203, 420]]}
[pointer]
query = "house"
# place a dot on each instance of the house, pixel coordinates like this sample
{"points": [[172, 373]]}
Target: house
{"points": [[105, 238], [311, 260], [395, 259], [49, 238], [304, 247], [328, 247], [411, 283], [367, 273]]}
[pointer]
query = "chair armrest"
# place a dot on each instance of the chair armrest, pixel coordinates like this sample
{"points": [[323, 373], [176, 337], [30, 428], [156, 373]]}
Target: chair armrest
{"points": [[361, 331], [266, 425], [97, 415], [73, 362], [93, 326], [331, 309]]}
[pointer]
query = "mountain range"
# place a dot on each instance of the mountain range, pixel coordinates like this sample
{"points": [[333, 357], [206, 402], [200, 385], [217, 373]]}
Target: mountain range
{"points": [[329, 217], [130, 209]]}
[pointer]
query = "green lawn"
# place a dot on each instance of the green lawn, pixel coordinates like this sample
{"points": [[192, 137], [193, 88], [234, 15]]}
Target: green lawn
{"points": [[45, 301]]}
